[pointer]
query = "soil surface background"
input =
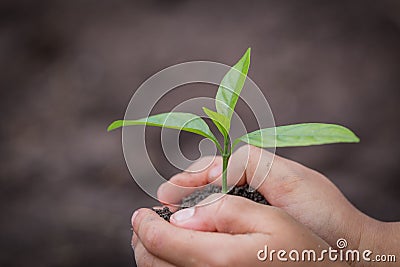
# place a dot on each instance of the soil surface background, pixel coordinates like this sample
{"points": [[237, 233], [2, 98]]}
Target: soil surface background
{"points": [[69, 68]]}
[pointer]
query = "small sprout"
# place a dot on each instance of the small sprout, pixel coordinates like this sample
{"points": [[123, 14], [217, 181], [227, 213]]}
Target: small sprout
{"points": [[303, 134]]}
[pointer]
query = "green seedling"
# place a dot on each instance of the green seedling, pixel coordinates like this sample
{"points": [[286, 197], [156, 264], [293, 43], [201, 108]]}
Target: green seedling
{"points": [[304, 134]]}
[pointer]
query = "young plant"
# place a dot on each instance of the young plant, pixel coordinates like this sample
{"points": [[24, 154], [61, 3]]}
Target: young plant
{"points": [[304, 134]]}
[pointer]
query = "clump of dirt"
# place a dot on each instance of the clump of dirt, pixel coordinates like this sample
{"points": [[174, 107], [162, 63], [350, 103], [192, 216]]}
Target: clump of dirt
{"points": [[164, 213], [249, 193], [199, 195], [196, 197]]}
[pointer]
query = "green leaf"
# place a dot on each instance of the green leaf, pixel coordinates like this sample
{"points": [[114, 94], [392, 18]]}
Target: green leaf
{"points": [[174, 120], [304, 134], [231, 86], [221, 121]]}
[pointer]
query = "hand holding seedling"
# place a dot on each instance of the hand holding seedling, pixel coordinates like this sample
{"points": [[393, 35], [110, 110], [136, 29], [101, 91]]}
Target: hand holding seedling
{"points": [[235, 239], [307, 211], [303, 134]]}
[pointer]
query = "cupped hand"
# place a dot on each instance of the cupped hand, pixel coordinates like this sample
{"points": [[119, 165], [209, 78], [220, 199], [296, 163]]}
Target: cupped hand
{"points": [[305, 194], [228, 231]]}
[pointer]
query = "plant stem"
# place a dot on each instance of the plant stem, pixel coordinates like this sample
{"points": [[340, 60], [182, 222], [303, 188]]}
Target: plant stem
{"points": [[225, 158]]}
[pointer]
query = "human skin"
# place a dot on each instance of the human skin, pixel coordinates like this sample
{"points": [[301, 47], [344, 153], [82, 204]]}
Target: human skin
{"points": [[307, 211]]}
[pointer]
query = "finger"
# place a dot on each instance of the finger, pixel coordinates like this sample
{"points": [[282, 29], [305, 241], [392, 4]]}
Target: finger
{"points": [[302, 192], [183, 247], [144, 258], [239, 216], [134, 240], [248, 164], [281, 181], [185, 183], [229, 214], [306, 194]]}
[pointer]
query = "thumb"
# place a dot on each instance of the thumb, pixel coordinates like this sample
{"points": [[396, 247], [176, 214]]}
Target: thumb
{"points": [[228, 214]]}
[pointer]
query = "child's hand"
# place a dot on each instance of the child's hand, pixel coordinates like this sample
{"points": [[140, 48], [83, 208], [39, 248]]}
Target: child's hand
{"points": [[237, 229], [305, 194]]}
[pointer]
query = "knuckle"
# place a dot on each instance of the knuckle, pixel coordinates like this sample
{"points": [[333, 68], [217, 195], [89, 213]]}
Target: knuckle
{"points": [[282, 185], [224, 203], [289, 183], [286, 186], [224, 209]]}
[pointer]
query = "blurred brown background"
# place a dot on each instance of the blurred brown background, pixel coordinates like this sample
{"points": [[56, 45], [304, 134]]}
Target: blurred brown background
{"points": [[68, 68]]}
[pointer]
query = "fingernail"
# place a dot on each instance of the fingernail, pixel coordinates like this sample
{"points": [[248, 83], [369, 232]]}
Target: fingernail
{"points": [[215, 172], [182, 215], [134, 216]]}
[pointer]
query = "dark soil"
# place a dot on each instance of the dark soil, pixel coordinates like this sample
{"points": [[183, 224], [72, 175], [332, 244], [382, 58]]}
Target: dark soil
{"points": [[164, 213], [198, 196]]}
